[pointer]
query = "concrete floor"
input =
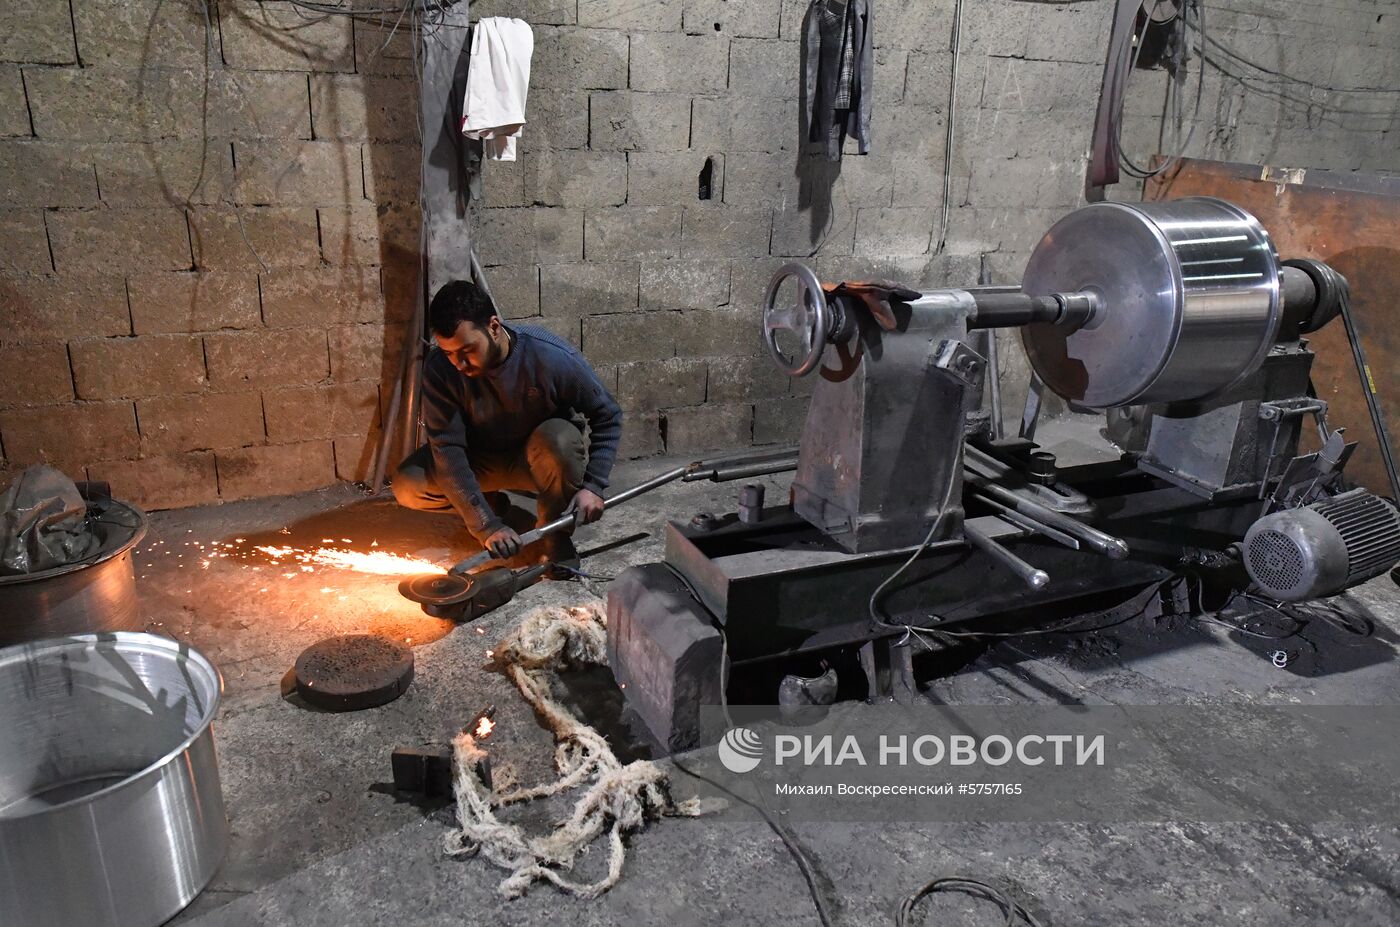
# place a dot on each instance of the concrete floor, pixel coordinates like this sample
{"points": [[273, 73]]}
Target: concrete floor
{"points": [[319, 838]]}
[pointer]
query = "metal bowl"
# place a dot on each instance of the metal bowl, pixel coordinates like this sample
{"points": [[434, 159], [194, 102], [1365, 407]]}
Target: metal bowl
{"points": [[111, 813]]}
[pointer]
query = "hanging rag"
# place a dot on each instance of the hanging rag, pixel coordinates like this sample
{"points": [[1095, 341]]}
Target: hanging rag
{"points": [[838, 74], [498, 79]]}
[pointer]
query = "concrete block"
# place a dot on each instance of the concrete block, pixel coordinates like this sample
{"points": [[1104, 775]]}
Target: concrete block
{"points": [[14, 108], [162, 173], [747, 18], [193, 302], [39, 31], [317, 296], [355, 457], [623, 120], [568, 291], [725, 231], [45, 174], [390, 172], [719, 333], [34, 375], [641, 436], [251, 237], [909, 129], [402, 289], [756, 182], [175, 424], [749, 281], [529, 236], [59, 308], [764, 68], [913, 25], [653, 15], [259, 104], [632, 233], [673, 178], [69, 433], [745, 379], [1021, 85], [891, 66], [310, 412], [1042, 182], [792, 21], [142, 33], [386, 50], [502, 184], [576, 178], [156, 483], [633, 336], [684, 284], [917, 182], [267, 35], [114, 105], [558, 120], [143, 365], [655, 56], [366, 233], [297, 173], [779, 421], [119, 240], [355, 106], [516, 290], [535, 12], [365, 352], [711, 427], [894, 231], [275, 470], [759, 125], [24, 242], [803, 234], [579, 59], [293, 356], [927, 76], [646, 386]]}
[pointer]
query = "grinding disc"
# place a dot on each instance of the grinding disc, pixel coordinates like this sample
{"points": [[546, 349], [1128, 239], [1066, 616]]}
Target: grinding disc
{"points": [[436, 588], [353, 671]]}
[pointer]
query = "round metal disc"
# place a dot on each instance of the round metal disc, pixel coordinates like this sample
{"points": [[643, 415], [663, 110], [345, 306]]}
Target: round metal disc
{"points": [[354, 671], [436, 588]]}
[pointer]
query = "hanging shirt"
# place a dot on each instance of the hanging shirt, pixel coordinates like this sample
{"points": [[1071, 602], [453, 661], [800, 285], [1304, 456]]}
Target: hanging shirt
{"points": [[498, 79], [838, 74]]}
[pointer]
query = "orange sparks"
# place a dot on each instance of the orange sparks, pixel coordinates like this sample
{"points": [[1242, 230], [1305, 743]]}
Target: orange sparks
{"points": [[484, 727], [379, 562]]}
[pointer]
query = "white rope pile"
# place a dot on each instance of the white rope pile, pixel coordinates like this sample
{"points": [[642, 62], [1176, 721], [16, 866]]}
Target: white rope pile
{"points": [[616, 798]]}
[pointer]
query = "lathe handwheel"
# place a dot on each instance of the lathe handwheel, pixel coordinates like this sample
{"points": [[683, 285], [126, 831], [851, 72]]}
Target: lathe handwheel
{"points": [[809, 320]]}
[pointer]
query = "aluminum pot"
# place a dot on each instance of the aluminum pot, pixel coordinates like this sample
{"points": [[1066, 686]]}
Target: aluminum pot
{"points": [[111, 813], [95, 594]]}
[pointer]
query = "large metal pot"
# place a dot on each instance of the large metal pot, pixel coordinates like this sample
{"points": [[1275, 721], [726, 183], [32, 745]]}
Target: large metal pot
{"points": [[111, 813], [95, 594]]}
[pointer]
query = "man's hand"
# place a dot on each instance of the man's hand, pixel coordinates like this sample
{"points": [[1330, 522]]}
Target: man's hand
{"points": [[503, 543], [588, 507]]}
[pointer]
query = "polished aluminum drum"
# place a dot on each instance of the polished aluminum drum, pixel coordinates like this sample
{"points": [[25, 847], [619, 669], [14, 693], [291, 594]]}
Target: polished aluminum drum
{"points": [[1188, 301], [111, 813]]}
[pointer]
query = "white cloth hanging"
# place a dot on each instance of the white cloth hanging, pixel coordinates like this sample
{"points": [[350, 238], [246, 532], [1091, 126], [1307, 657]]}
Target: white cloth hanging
{"points": [[498, 79]]}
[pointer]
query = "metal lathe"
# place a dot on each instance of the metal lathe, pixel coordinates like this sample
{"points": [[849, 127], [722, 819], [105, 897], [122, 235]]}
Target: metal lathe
{"points": [[912, 518]]}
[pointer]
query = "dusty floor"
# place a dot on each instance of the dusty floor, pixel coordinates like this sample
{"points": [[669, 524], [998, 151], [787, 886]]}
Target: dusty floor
{"points": [[319, 838]]}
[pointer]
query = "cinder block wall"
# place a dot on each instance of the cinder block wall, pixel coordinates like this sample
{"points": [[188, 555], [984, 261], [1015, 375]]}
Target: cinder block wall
{"points": [[208, 229]]}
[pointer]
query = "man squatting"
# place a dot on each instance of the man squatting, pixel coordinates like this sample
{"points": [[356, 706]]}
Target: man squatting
{"points": [[501, 407]]}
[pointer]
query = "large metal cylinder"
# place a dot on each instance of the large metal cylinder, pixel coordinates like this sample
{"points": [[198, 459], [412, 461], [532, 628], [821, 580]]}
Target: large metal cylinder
{"points": [[111, 813], [1188, 301]]}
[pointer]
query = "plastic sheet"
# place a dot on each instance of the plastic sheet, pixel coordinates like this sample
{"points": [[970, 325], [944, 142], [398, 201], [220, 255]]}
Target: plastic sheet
{"points": [[43, 523]]}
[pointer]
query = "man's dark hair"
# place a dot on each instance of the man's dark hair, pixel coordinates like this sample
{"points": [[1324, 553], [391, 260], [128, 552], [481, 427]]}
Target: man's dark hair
{"points": [[457, 302]]}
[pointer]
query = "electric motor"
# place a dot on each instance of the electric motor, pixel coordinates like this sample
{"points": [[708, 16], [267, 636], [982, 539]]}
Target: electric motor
{"points": [[1320, 549]]}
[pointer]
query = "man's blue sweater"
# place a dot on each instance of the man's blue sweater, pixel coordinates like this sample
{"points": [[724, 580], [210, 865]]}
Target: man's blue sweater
{"points": [[542, 377]]}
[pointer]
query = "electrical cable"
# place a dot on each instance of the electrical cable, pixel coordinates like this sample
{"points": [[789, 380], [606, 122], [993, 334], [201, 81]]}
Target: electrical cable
{"points": [[1128, 165], [1011, 908], [956, 51]]}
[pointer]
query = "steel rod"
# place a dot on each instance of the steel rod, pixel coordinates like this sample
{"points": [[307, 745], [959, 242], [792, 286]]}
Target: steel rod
{"points": [[567, 519], [1033, 577], [1025, 521], [1106, 544]]}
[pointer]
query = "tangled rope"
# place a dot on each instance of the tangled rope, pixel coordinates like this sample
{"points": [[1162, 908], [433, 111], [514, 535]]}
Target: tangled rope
{"points": [[617, 798]]}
